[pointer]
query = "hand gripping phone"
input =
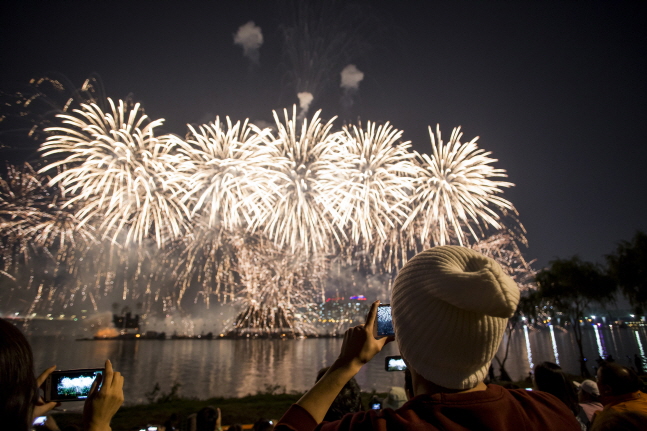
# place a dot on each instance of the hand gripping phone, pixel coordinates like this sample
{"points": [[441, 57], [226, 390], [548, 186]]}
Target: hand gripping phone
{"points": [[70, 385]]}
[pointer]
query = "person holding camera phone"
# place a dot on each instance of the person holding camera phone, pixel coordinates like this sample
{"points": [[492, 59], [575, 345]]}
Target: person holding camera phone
{"points": [[20, 402], [450, 306]]}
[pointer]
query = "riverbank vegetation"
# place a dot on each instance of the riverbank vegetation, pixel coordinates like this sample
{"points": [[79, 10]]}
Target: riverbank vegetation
{"points": [[565, 291]]}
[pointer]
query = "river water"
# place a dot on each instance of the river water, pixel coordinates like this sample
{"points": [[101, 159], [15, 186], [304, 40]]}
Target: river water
{"points": [[210, 368]]}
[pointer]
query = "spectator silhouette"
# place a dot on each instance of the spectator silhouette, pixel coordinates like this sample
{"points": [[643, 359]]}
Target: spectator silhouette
{"points": [[620, 390], [550, 378], [263, 425], [588, 396], [620, 421], [208, 419], [20, 402]]}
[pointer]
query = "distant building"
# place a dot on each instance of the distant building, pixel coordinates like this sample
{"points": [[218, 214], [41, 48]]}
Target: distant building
{"points": [[343, 312], [126, 322]]}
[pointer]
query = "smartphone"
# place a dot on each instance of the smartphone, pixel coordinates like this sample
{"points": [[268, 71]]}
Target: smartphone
{"points": [[40, 421], [383, 323], [394, 363], [70, 385], [376, 406]]}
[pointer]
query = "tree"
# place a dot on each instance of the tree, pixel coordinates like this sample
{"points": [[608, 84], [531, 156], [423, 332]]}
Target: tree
{"points": [[527, 305], [628, 268], [571, 285]]}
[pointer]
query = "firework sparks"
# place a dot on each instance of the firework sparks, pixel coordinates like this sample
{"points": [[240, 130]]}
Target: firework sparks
{"points": [[380, 182], [41, 241], [245, 214], [305, 185], [456, 191], [115, 166], [226, 172]]}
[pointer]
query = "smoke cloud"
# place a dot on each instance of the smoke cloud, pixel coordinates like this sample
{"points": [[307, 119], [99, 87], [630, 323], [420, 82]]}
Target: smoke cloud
{"points": [[351, 76], [305, 99], [250, 37]]}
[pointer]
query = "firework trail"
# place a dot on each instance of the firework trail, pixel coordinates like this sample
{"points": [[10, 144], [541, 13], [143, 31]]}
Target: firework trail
{"points": [[119, 171], [455, 192], [503, 248], [28, 112], [319, 40], [380, 175], [207, 259], [41, 241], [306, 182], [280, 290], [225, 173]]}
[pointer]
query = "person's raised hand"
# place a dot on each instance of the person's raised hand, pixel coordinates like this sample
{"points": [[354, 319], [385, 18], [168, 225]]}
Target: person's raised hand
{"points": [[360, 346], [103, 403], [41, 406]]}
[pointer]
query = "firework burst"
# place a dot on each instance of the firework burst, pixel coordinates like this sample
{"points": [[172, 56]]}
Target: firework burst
{"points": [[456, 193], [305, 186], [226, 169], [279, 289], [251, 216], [43, 244], [118, 171], [380, 177]]}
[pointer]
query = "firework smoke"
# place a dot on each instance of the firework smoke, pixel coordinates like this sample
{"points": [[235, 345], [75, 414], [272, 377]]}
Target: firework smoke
{"points": [[305, 99], [350, 79], [250, 37]]}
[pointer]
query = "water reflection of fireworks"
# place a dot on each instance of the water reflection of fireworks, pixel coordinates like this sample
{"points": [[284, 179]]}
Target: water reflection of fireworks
{"points": [[241, 213]]}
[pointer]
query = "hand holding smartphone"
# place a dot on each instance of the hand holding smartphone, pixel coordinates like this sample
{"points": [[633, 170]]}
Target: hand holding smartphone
{"points": [[70, 385]]}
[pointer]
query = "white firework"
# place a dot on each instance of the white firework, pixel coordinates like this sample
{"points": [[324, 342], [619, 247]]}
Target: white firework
{"points": [[456, 192], [225, 170], [305, 178], [118, 171], [380, 180]]}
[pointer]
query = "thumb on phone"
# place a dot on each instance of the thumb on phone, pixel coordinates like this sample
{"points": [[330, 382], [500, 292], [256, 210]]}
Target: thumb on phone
{"points": [[96, 384]]}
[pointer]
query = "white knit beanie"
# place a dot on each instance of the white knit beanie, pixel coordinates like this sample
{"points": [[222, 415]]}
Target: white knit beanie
{"points": [[450, 307]]}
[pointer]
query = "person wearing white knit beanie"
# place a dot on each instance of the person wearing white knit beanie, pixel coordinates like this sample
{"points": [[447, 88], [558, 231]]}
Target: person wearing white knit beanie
{"points": [[450, 306]]}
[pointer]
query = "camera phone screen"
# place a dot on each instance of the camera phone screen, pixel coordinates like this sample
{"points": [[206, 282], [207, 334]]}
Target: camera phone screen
{"points": [[75, 385], [384, 322]]}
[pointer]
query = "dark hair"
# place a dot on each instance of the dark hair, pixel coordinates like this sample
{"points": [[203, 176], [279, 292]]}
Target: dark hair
{"points": [[621, 380], [550, 378], [263, 425], [18, 391], [206, 419], [349, 399]]}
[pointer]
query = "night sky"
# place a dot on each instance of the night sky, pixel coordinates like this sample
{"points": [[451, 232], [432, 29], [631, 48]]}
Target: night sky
{"points": [[556, 90]]}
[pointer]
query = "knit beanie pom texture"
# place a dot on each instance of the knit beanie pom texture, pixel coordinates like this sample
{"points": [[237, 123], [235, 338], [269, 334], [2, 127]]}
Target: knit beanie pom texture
{"points": [[450, 307]]}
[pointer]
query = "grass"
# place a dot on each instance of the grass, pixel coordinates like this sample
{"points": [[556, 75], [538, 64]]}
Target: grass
{"points": [[244, 410], [269, 404]]}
